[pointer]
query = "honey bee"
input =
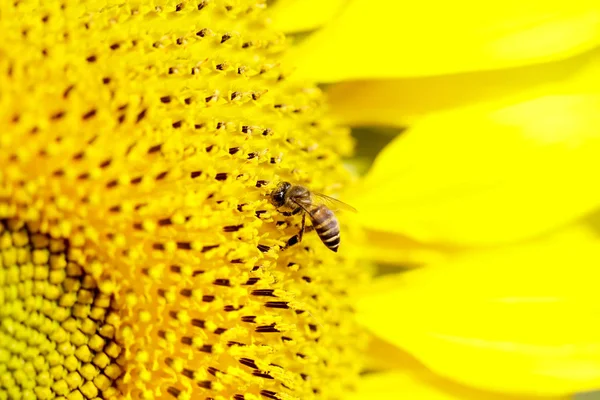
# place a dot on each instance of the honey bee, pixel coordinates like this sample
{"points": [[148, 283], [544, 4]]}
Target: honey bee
{"points": [[299, 199]]}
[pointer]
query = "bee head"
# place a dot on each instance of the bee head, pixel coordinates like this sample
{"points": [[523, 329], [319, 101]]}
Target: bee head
{"points": [[278, 195]]}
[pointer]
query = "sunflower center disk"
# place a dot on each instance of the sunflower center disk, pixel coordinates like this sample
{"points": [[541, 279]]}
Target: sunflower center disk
{"points": [[56, 337]]}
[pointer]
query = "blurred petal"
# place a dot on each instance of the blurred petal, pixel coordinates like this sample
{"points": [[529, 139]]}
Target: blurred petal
{"points": [[594, 395], [399, 102], [383, 355], [529, 314], [399, 250], [406, 378], [383, 39], [291, 16], [423, 385], [483, 177]]}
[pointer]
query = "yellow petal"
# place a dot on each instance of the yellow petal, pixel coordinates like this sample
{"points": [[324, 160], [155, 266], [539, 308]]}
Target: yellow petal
{"points": [[483, 177], [528, 314], [399, 102], [392, 249], [420, 385], [303, 15], [382, 39], [406, 378]]}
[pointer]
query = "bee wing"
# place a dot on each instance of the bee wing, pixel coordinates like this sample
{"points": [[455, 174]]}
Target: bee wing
{"points": [[332, 203]]}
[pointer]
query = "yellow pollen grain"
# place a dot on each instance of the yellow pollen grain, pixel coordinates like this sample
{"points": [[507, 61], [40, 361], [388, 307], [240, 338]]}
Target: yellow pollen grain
{"points": [[139, 255]]}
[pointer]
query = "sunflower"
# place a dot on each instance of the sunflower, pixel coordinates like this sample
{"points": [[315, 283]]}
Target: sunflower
{"points": [[141, 257]]}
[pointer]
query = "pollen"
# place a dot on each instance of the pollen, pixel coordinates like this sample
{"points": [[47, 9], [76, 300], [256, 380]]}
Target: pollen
{"points": [[140, 257]]}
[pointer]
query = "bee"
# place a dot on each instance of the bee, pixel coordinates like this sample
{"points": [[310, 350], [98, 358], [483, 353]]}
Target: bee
{"points": [[299, 199]]}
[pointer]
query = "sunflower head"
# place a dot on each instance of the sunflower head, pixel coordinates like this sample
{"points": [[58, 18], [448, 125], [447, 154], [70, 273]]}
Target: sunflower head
{"points": [[140, 255]]}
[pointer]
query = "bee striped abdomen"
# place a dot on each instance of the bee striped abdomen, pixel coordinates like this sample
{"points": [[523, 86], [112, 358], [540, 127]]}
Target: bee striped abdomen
{"points": [[327, 226]]}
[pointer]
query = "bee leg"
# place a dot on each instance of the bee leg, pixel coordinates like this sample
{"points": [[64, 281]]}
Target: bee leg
{"points": [[302, 228], [309, 229], [289, 214], [298, 237]]}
